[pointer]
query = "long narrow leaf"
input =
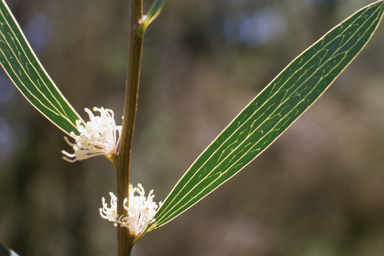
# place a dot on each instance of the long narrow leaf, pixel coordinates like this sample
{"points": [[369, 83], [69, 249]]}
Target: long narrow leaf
{"points": [[26, 72], [5, 251], [291, 93]]}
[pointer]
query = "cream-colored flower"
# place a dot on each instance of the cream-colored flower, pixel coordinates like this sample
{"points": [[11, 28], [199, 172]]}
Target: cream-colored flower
{"points": [[140, 210], [99, 136]]}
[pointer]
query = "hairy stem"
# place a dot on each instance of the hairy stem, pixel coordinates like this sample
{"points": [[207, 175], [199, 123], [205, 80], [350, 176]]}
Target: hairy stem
{"points": [[123, 160]]}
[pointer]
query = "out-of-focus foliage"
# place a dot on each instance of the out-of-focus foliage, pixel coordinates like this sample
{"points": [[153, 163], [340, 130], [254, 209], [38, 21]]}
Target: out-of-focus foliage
{"points": [[317, 191]]}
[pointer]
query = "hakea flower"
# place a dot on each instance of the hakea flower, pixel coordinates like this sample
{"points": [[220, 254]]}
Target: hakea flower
{"points": [[140, 210], [99, 136]]}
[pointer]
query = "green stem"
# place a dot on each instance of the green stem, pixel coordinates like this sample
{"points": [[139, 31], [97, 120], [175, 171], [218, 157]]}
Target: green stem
{"points": [[123, 160]]}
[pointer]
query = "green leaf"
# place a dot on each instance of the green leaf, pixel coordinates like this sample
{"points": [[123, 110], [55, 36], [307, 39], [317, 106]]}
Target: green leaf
{"points": [[152, 14], [26, 72], [284, 100], [5, 251]]}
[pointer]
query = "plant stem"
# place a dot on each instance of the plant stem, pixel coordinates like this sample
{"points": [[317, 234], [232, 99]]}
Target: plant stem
{"points": [[123, 160]]}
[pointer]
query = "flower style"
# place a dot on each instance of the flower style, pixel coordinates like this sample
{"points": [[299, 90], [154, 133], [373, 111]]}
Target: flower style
{"points": [[140, 210], [99, 136]]}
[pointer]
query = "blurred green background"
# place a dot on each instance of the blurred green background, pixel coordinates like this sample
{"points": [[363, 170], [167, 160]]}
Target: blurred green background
{"points": [[317, 191]]}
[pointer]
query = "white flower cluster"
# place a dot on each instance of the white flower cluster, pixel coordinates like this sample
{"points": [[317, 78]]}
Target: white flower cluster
{"points": [[140, 210], [99, 136]]}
